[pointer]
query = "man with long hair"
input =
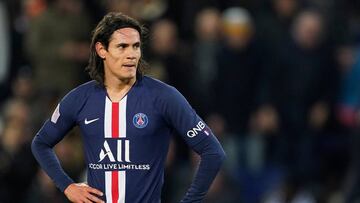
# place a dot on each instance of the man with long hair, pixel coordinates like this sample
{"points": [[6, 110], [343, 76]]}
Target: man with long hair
{"points": [[126, 120]]}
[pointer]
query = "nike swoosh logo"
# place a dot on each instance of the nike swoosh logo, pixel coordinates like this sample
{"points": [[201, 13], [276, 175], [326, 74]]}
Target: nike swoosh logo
{"points": [[90, 121]]}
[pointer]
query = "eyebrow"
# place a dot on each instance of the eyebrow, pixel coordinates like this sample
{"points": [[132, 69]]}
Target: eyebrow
{"points": [[127, 44]]}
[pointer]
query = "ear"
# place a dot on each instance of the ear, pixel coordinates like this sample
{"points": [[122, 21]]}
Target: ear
{"points": [[100, 50]]}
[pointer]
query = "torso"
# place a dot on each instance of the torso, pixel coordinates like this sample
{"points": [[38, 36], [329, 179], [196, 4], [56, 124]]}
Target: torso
{"points": [[126, 143]]}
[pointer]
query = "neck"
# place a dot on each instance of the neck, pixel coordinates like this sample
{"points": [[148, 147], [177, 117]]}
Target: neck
{"points": [[118, 88]]}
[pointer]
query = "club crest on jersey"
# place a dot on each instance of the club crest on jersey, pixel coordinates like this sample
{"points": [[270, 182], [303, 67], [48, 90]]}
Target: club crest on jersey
{"points": [[140, 120]]}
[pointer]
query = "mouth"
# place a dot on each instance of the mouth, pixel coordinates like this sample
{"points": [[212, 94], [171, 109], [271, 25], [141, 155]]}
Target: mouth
{"points": [[129, 65]]}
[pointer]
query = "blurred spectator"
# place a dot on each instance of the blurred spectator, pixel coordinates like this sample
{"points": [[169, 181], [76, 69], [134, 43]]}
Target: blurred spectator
{"points": [[168, 56], [16, 114], [239, 62], [300, 83], [23, 90], [205, 46], [22, 87], [259, 168], [349, 115], [350, 92], [17, 165], [274, 24], [57, 46], [336, 19]]}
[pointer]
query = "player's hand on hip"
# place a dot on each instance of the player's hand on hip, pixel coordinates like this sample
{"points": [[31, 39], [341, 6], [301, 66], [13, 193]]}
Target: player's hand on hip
{"points": [[82, 193]]}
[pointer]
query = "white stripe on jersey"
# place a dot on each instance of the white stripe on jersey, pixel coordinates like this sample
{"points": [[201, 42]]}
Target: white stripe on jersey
{"points": [[122, 117], [107, 118], [122, 186], [108, 186]]}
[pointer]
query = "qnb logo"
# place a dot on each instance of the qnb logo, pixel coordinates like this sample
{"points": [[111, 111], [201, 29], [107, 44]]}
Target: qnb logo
{"points": [[121, 156], [194, 131]]}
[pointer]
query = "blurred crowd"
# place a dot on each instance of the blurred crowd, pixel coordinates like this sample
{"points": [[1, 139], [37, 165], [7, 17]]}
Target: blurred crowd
{"points": [[278, 81]]}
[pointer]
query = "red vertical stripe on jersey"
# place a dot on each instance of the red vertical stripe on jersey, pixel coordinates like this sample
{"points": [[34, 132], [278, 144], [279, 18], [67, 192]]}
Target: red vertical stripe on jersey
{"points": [[115, 120], [115, 134], [115, 186]]}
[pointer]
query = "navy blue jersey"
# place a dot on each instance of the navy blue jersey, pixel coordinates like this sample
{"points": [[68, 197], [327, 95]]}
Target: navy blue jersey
{"points": [[126, 142]]}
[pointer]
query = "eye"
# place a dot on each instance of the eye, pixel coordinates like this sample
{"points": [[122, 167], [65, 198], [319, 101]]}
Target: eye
{"points": [[137, 45], [122, 45]]}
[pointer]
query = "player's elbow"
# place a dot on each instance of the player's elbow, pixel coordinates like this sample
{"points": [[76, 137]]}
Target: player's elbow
{"points": [[211, 151], [217, 157], [220, 156], [34, 146], [37, 146]]}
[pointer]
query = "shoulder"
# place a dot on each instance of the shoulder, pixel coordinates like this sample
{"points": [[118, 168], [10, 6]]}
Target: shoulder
{"points": [[73, 101], [157, 87], [82, 92], [164, 95]]}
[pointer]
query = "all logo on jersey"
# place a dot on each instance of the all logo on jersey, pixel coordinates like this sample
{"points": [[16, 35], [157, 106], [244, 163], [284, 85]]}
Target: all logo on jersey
{"points": [[106, 152], [117, 157], [140, 120]]}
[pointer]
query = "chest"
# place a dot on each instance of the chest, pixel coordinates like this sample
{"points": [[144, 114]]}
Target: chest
{"points": [[133, 118]]}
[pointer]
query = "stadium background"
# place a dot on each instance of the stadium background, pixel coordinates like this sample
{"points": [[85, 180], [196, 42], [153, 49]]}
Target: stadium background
{"points": [[277, 81]]}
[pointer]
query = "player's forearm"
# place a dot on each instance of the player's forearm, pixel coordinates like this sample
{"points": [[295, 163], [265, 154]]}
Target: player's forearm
{"points": [[212, 156], [48, 161]]}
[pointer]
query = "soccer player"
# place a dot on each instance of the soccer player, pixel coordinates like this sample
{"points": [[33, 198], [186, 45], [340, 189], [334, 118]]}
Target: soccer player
{"points": [[126, 120]]}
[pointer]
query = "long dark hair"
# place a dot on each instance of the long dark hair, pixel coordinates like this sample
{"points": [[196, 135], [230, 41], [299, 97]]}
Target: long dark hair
{"points": [[102, 33]]}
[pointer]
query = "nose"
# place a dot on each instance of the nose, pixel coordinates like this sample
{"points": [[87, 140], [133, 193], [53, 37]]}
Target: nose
{"points": [[132, 54]]}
